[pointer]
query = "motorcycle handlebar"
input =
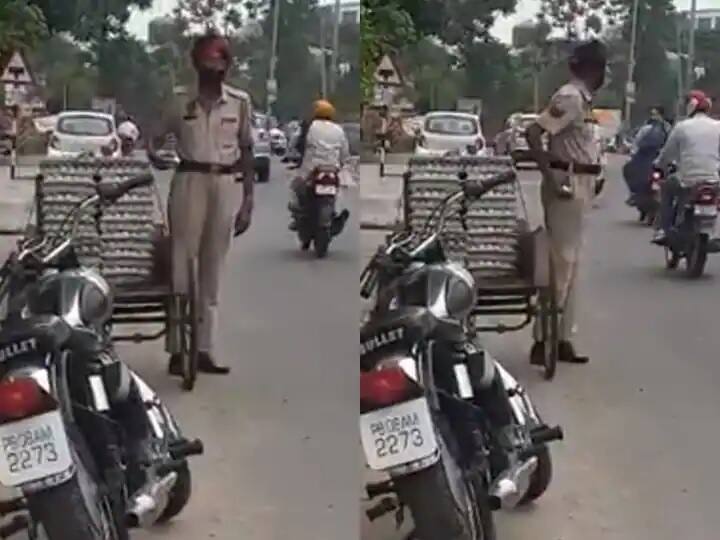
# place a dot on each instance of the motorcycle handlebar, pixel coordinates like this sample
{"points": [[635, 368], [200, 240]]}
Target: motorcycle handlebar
{"points": [[475, 190], [110, 193]]}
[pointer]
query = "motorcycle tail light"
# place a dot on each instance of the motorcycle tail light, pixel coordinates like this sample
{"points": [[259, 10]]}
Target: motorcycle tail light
{"points": [[22, 398], [385, 387], [706, 195]]}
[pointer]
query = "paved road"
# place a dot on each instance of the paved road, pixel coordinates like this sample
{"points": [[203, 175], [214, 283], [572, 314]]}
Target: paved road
{"points": [[641, 419], [280, 432]]}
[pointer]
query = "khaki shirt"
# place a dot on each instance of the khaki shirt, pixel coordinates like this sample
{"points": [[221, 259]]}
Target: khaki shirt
{"points": [[569, 121], [218, 136]]}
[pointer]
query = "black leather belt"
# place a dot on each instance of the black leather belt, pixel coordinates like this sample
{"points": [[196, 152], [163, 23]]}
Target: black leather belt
{"points": [[208, 168], [578, 168]]}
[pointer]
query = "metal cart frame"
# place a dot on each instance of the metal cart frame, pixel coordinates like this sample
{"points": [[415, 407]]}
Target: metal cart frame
{"points": [[151, 303], [531, 295]]}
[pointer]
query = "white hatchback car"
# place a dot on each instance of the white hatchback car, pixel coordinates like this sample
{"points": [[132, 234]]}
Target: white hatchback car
{"points": [[445, 133], [81, 132]]}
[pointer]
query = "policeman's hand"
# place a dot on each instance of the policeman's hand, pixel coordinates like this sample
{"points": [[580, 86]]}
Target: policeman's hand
{"points": [[244, 217], [599, 185], [157, 162]]}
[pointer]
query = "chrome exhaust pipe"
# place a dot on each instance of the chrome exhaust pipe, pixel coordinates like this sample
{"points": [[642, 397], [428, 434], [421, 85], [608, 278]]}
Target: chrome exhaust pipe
{"points": [[147, 506], [510, 487]]}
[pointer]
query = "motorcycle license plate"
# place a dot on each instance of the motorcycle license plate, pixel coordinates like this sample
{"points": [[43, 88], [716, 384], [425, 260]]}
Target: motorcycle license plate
{"points": [[398, 435], [706, 210], [325, 189], [33, 449]]}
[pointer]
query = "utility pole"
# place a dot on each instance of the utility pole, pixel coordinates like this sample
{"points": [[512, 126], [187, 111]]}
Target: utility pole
{"points": [[679, 23], [272, 79], [690, 77], [323, 60], [334, 75], [630, 87]]}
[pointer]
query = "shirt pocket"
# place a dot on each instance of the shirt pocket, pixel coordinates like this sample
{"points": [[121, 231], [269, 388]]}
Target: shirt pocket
{"points": [[228, 133]]}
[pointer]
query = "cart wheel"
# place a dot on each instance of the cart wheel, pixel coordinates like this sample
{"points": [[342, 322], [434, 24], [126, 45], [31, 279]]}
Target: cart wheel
{"points": [[550, 318], [190, 327]]}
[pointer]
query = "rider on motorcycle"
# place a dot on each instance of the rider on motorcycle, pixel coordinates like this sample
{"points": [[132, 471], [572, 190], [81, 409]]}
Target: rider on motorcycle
{"points": [[648, 143], [324, 143], [694, 144]]}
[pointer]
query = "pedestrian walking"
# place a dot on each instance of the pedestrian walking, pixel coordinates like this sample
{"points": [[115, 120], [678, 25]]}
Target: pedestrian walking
{"points": [[214, 144], [569, 172]]}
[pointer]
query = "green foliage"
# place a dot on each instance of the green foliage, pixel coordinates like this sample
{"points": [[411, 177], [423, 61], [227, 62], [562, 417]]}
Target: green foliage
{"points": [[88, 20], [21, 25], [385, 27], [69, 73]]}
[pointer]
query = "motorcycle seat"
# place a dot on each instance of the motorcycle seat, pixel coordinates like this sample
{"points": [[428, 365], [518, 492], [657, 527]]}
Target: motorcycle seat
{"points": [[50, 332]]}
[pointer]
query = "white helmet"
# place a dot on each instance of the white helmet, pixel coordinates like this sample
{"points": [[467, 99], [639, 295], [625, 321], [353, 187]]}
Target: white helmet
{"points": [[128, 130]]}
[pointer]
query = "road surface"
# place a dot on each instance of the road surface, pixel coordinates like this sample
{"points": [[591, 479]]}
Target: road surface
{"points": [[642, 435], [280, 431]]}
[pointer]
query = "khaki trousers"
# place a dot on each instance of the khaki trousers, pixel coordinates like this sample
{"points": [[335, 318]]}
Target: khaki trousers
{"points": [[564, 220], [202, 209]]}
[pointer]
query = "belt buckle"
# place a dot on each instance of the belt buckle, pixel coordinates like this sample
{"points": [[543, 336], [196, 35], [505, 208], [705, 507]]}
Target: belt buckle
{"points": [[215, 169]]}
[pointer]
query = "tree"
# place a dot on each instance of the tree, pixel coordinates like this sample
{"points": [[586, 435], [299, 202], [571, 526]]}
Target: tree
{"points": [[224, 16], [580, 18], [492, 75], [457, 22], [88, 21], [21, 26], [707, 43], [385, 27]]}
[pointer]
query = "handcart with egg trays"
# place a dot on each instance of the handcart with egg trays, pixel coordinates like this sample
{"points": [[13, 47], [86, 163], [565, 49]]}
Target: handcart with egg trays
{"points": [[492, 238], [129, 243]]}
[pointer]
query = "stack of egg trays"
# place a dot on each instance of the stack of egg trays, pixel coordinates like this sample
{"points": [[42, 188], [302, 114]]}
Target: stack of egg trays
{"points": [[489, 247], [123, 251]]}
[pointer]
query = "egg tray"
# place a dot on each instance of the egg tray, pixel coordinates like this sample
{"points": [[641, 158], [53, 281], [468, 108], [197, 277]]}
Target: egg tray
{"points": [[121, 244], [489, 246]]}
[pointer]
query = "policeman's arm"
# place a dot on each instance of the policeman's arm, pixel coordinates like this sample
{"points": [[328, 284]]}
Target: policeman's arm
{"points": [[165, 126], [534, 134], [247, 157], [564, 110]]}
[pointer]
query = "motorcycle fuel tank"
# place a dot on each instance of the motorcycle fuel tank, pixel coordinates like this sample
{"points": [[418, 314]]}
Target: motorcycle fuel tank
{"points": [[82, 297]]}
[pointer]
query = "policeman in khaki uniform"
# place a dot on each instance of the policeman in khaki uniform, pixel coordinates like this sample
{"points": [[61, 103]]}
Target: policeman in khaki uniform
{"points": [[570, 170], [214, 143]]}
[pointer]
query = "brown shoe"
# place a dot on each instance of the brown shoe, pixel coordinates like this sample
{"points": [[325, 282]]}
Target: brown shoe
{"points": [[537, 354], [206, 364], [567, 354]]}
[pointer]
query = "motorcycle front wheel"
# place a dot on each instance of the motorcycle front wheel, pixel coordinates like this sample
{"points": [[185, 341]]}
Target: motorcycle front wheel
{"points": [[77, 509], [442, 511]]}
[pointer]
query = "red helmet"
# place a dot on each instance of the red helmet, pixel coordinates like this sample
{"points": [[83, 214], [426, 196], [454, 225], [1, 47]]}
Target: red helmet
{"points": [[698, 101]]}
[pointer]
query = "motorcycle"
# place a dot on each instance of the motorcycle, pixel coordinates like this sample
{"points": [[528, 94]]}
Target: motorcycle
{"points": [[455, 432], [647, 203], [692, 235], [62, 445], [315, 217]]}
